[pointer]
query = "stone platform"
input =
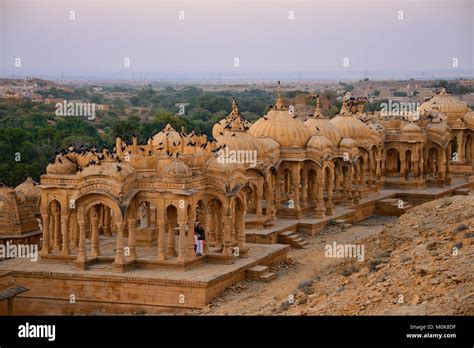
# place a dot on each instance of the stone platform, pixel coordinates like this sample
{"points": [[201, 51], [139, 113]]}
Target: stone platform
{"points": [[99, 290], [367, 206]]}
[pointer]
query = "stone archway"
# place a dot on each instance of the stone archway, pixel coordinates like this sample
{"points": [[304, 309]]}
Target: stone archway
{"points": [[433, 162], [454, 149], [89, 207], [287, 190], [468, 150], [171, 223], [97, 221], [392, 162], [239, 227], [329, 190], [408, 164], [216, 226], [312, 184], [202, 216], [56, 227]]}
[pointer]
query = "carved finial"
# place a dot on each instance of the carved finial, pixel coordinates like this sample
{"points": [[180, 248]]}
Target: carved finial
{"points": [[234, 105], [345, 107], [235, 108], [237, 125], [279, 100], [317, 111]]}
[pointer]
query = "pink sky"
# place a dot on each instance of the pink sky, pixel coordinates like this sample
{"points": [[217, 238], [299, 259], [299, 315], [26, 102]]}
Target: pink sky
{"points": [[213, 33]]}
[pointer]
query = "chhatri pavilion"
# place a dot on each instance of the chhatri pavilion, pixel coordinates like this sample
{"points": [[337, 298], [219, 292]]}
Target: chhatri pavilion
{"points": [[108, 206]]}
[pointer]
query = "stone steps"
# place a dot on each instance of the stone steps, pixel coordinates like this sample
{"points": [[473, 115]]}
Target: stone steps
{"points": [[268, 277], [260, 273], [343, 223], [461, 192], [393, 206], [293, 239]]}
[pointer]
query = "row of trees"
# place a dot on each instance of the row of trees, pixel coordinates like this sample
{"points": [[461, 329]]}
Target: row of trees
{"points": [[30, 134]]}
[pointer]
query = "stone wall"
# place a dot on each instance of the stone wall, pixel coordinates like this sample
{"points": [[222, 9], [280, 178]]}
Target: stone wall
{"points": [[50, 293]]}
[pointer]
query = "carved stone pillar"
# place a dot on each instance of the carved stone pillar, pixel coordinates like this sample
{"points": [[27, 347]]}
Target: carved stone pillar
{"points": [[320, 208], [148, 214], [269, 200], [161, 240], [132, 242], [259, 197], [371, 168], [107, 229], [100, 224], [65, 233], [75, 231], [182, 241], [304, 190], [82, 256], [362, 176], [170, 245], [351, 186], [337, 184], [206, 223], [219, 229], [296, 192], [378, 172], [94, 220], [57, 231], [278, 193], [402, 167], [241, 237], [210, 227], [191, 254], [329, 203], [119, 256], [46, 246], [227, 251]]}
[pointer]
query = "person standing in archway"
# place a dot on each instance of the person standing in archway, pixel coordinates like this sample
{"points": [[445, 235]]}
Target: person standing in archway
{"points": [[200, 237]]}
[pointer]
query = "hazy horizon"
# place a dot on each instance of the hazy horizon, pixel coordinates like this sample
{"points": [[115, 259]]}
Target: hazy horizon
{"points": [[430, 39]]}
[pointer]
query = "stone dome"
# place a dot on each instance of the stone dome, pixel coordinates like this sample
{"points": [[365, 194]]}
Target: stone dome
{"points": [[168, 134], [62, 166], [270, 147], [220, 126], [378, 131], [469, 119], [177, 170], [447, 104], [376, 126], [280, 125], [391, 123], [411, 127], [350, 126], [320, 124], [222, 168], [237, 139], [348, 143], [110, 169], [438, 128], [28, 189], [6, 197], [320, 143]]}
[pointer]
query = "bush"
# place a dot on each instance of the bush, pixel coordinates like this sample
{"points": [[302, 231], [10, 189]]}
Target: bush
{"points": [[348, 271]]}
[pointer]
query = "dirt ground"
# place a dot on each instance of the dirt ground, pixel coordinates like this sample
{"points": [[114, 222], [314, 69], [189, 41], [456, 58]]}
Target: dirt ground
{"points": [[418, 264]]}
